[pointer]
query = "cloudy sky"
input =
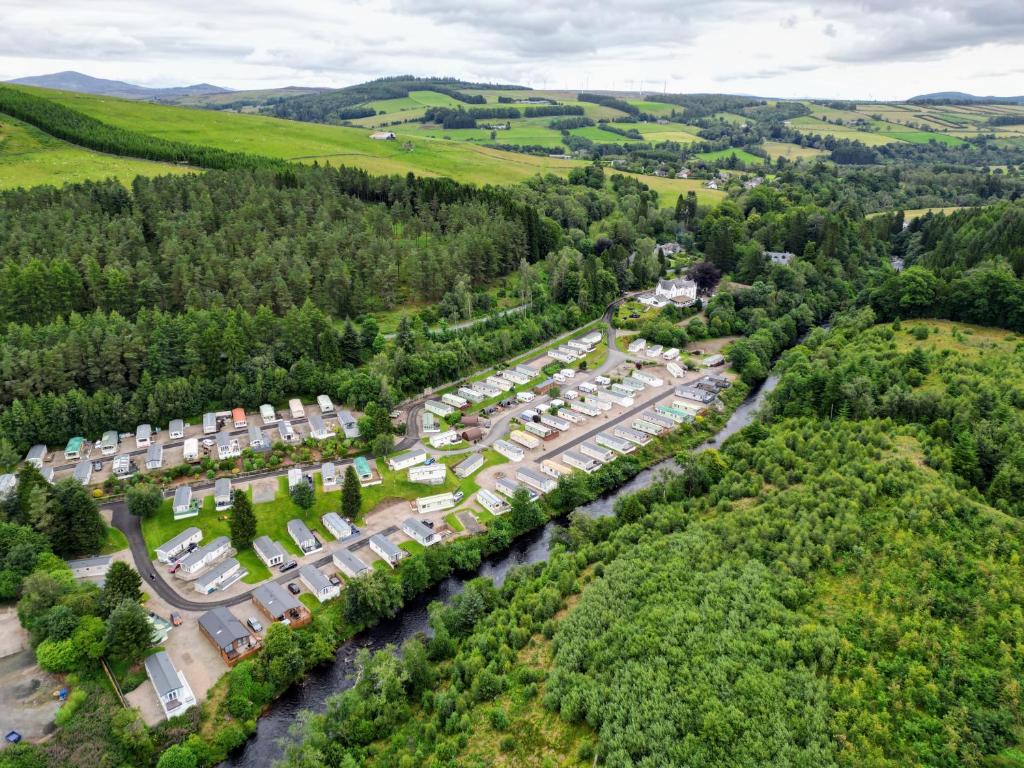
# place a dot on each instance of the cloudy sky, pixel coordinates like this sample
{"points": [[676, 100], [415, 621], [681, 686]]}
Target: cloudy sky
{"points": [[880, 49]]}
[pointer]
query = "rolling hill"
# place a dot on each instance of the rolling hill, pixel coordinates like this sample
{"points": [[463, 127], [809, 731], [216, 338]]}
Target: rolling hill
{"points": [[80, 83]]}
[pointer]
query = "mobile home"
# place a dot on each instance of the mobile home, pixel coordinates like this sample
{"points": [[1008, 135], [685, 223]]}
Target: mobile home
{"points": [[122, 465], [171, 688], [580, 346], [509, 450], [541, 431], [179, 544], [593, 338], [675, 370], [367, 474], [535, 480], [442, 439], [528, 371], [268, 550], [524, 439], [109, 442], [608, 440], [655, 351], [454, 400], [567, 414], [184, 505], [143, 436], [205, 556], [579, 461], [554, 422], [296, 409], [220, 577], [564, 355], [672, 353], [637, 345], [317, 429], [318, 584], [525, 397], [257, 441], [436, 503], [641, 424], [648, 378], [677, 415], [438, 408], [492, 502], [634, 436], [294, 477], [302, 536], [8, 482], [419, 532], [696, 394], [222, 494], [36, 456], [583, 407], [653, 417], [228, 446], [407, 459], [600, 403], [337, 526], [349, 425], [190, 450], [154, 456], [268, 414], [209, 423], [515, 377], [587, 388], [498, 383], [713, 361], [487, 390], [285, 432], [433, 474], [386, 550], [554, 468], [508, 487], [176, 429], [325, 404], [328, 475], [472, 395], [346, 561], [469, 465], [238, 418], [615, 398], [428, 423]]}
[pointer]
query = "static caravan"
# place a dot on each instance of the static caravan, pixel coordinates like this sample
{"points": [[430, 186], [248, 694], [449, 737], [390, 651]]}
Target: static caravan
{"points": [[580, 346], [487, 390], [109, 442], [585, 408], [608, 440], [508, 487], [172, 690], [318, 584], [525, 397], [655, 351], [205, 555], [154, 456], [648, 378], [554, 468], [614, 397], [541, 431], [434, 474], [36, 456], [492, 502], [179, 544], [528, 416], [190, 450], [637, 345], [498, 383], [349, 425], [602, 381], [594, 337], [626, 388], [336, 525], [554, 422], [713, 361], [428, 423], [524, 439], [302, 536], [515, 377], [346, 561], [696, 394], [386, 549], [143, 436], [220, 577], [690, 407], [222, 495], [647, 427], [564, 355], [653, 417], [670, 354], [587, 388], [442, 439], [184, 505], [268, 414], [238, 418], [328, 475], [317, 429], [597, 452], [600, 403], [8, 482], [325, 404], [472, 395], [677, 415], [176, 429], [568, 373], [570, 394], [508, 450], [454, 400], [407, 459], [579, 461], [419, 532], [438, 408], [367, 474], [257, 440], [469, 465], [285, 432], [675, 370], [47, 473], [441, 501], [296, 409], [228, 446], [294, 477], [209, 423], [278, 603], [268, 550], [569, 415], [633, 435], [122, 465], [536, 480], [528, 371]]}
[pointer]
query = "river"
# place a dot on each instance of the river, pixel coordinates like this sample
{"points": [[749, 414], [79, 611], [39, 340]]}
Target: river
{"points": [[266, 745]]}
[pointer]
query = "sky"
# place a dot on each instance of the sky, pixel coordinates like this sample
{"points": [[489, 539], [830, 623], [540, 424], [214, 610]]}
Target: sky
{"points": [[855, 49]]}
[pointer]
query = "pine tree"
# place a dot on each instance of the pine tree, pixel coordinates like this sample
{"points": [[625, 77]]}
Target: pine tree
{"points": [[129, 633], [242, 522], [351, 496], [122, 583]]}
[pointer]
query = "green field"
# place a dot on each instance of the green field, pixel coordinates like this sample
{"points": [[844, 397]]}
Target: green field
{"points": [[601, 136], [415, 100], [742, 155], [812, 125], [29, 157], [654, 132], [791, 151], [656, 108]]}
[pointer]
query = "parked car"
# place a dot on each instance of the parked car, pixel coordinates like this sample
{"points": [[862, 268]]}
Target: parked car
{"points": [[294, 588], [176, 619], [97, 465], [396, 414], [289, 566], [430, 460], [333, 578], [458, 495], [254, 624], [174, 568]]}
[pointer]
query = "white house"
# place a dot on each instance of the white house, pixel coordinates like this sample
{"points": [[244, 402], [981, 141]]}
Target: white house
{"points": [[492, 502], [220, 576], [268, 414], [296, 409], [302, 536], [408, 459], [222, 494], [326, 406], [579, 461], [346, 561], [228, 446], [508, 450], [180, 543], [679, 290], [143, 436], [469, 465], [436, 503], [184, 505], [438, 408], [318, 430], [386, 550], [442, 439], [328, 475], [176, 429], [318, 584], [171, 688], [433, 474], [337, 526], [268, 550], [419, 532]]}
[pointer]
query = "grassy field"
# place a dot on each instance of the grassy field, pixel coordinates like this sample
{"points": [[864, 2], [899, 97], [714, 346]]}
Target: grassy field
{"points": [[594, 133], [415, 100], [657, 108], [114, 542], [812, 125], [654, 132], [791, 151], [29, 157], [741, 155]]}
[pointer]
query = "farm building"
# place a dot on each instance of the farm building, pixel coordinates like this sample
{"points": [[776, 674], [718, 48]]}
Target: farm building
{"points": [[296, 409], [346, 561], [366, 472], [436, 503], [268, 414], [238, 418], [222, 494], [257, 440], [209, 423], [171, 688], [324, 403], [419, 532], [122, 465], [278, 604], [180, 543], [579, 461], [407, 459], [492, 502], [184, 505], [554, 468], [109, 442], [36, 456], [441, 439], [713, 361], [469, 465], [608, 440], [637, 345], [155, 456], [428, 423], [535, 480], [268, 550], [302, 536], [336, 525], [205, 555], [648, 378], [433, 474], [294, 477], [286, 433], [525, 439], [228, 635], [349, 425], [318, 584], [220, 577], [386, 550], [472, 395], [632, 435], [318, 430], [228, 446], [328, 475], [454, 400], [508, 450], [498, 383], [143, 436], [438, 408], [176, 429], [91, 568]]}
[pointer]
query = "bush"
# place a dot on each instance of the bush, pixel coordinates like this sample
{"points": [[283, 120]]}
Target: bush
{"points": [[72, 705]]}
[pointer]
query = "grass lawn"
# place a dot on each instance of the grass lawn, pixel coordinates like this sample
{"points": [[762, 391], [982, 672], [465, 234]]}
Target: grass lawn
{"points": [[309, 601], [454, 523], [412, 547], [627, 308], [741, 155], [114, 542], [670, 189]]}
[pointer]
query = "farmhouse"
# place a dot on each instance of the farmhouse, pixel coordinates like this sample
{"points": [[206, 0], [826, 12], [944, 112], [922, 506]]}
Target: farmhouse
{"points": [[336, 525], [318, 584], [296, 409], [680, 290], [383, 136], [171, 688], [209, 423], [436, 503], [143, 435], [257, 441], [386, 550], [346, 561], [180, 543], [228, 446], [785, 258], [302, 536], [268, 414], [349, 425], [366, 472], [407, 459], [508, 450], [454, 400], [492, 502], [220, 577], [635, 346], [176, 429], [432, 474], [222, 494], [419, 532], [231, 639], [472, 395], [92, 568], [326, 406], [184, 505], [579, 461], [238, 418], [109, 442], [535, 480], [205, 555], [328, 475], [268, 550], [609, 440], [155, 456], [438, 408], [442, 439], [285, 432], [278, 604]]}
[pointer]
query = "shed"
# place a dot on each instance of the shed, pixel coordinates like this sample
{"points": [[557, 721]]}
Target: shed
{"points": [[472, 434]]}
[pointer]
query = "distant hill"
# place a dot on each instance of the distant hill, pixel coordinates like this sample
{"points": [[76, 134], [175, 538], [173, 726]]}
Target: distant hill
{"points": [[959, 97], [80, 83]]}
